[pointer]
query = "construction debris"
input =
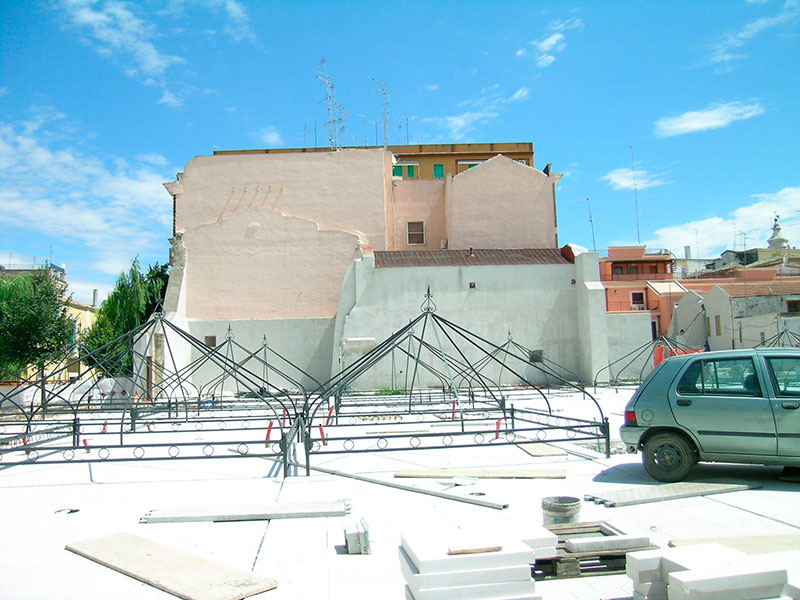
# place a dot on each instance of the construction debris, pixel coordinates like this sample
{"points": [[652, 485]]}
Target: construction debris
{"points": [[356, 537], [179, 573]]}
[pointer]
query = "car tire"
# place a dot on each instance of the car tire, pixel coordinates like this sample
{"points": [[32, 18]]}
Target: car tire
{"points": [[668, 457]]}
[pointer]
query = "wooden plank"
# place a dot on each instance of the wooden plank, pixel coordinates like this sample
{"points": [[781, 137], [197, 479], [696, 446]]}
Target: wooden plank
{"points": [[483, 473], [252, 512], [749, 544], [179, 573]]}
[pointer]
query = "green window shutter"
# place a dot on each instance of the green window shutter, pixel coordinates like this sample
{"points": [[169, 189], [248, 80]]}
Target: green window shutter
{"points": [[397, 171], [411, 171], [438, 171]]}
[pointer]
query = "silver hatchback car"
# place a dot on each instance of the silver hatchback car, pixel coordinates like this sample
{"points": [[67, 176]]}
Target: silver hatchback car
{"points": [[739, 406]]}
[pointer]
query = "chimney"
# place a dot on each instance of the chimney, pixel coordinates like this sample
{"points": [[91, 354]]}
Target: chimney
{"points": [[687, 251], [94, 298]]}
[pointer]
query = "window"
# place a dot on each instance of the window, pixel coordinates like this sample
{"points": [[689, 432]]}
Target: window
{"points": [[211, 341], [633, 269], [717, 325], [793, 306], [616, 270], [397, 171], [708, 326], [637, 298], [410, 171], [416, 232], [438, 171], [524, 161], [785, 374], [463, 165], [724, 377]]}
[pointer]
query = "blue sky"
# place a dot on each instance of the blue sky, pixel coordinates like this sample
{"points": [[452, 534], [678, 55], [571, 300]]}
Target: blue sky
{"points": [[695, 104]]}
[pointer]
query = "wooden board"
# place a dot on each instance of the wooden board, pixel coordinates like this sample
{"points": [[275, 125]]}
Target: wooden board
{"points": [[483, 473], [179, 573], [253, 512], [749, 544]]}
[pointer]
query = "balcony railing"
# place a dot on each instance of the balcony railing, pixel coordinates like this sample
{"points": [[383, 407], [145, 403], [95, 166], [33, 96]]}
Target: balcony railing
{"points": [[629, 307], [635, 276]]}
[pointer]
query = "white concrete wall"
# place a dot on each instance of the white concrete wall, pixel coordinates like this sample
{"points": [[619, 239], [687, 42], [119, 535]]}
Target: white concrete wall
{"points": [[308, 343], [718, 303], [626, 333], [689, 317], [537, 303]]}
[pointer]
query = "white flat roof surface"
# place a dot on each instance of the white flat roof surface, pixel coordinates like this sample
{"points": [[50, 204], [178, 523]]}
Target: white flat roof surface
{"points": [[306, 556]]}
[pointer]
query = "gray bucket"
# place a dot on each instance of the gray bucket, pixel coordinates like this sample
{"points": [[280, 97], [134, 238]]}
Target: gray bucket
{"points": [[560, 509]]}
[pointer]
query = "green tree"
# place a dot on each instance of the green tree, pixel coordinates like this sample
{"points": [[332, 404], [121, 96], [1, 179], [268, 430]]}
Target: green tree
{"points": [[131, 302], [35, 326]]}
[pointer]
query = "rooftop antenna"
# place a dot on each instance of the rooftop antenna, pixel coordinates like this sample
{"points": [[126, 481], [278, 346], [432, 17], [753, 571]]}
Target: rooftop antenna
{"points": [[383, 90], [591, 221], [635, 196], [333, 107]]}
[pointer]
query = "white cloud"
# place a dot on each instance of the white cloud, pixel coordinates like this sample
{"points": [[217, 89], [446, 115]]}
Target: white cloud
{"points": [[170, 99], [270, 136], [730, 47], [153, 158], [713, 116], [522, 93], [116, 31], [545, 48], [457, 127], [432, 87], [483, 110], [628, 179], [747, 226], [105, 209]]}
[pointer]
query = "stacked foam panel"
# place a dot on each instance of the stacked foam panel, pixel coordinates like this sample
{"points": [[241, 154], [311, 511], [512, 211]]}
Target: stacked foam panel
{"points": [[454, 566], [542, 541], [707, 571]]}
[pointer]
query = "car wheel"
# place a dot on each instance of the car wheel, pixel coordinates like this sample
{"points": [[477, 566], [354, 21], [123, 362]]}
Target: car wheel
{"points": [[668, 457]]}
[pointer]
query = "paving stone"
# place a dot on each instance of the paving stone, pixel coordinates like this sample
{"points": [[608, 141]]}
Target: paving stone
{"points": [[607, 542], [644, 494]]}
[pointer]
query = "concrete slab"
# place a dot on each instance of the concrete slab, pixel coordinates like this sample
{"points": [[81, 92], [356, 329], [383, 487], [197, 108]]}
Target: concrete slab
{"points": [[714, 582], [441, 579], [249, 512], [605, 543], [428, 552], [669, 491]]}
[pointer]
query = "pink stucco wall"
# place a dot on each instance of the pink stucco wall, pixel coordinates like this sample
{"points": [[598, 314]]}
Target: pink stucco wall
{"points": [[271, 236], [418, 200], [502, 204]]}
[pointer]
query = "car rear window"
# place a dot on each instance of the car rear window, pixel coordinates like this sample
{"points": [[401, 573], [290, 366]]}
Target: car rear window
{"points": [[725, 376]]}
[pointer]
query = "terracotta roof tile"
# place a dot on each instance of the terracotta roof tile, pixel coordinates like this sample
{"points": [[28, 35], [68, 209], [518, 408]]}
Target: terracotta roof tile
{"points": [[462, 258], [761, 288]]}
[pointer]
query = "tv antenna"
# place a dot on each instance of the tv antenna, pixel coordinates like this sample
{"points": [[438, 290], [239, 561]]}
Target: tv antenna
{"points": [[382, 88], [635, 196], [335, 110], [591, 220]]}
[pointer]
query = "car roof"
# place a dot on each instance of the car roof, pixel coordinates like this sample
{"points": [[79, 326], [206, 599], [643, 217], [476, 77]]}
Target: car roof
{"points": [[740, 353]]}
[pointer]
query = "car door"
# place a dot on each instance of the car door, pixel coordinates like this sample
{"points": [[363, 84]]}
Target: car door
{"points": [[723, 402], [785, 374]]}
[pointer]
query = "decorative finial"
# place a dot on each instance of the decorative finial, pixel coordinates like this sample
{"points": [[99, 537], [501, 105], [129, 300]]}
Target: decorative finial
{"points": [[428, 305]]}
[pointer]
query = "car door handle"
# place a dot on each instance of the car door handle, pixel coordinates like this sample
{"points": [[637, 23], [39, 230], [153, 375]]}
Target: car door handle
{"points": [[683, 402], [790, 405]]}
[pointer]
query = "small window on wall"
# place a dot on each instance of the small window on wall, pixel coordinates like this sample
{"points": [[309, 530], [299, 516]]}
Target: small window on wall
{"points": [[397, 171], [416, 233], [524, 161], [438, 171], [411, 171], [717, 325], [793, 306], [211, 341], [637, 298]]}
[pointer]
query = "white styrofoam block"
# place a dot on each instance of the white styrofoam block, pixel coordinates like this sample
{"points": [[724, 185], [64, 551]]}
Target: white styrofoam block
{"points": [[421, 581], [488, 591], [792, 587], [742, 584], [428, 553], [644, 566], [700, 556], [607, 542], [651, 589], [542, 553]]}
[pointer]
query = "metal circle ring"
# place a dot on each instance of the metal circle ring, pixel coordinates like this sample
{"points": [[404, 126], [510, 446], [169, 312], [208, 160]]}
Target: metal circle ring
{"points": [[511, 436], [138, 452], [223, 425], [104, 453], [208, 449], [382, 443], [571, 433], [349, 445], [479, 438], [447, 440], [414, 441], [176, 426], [245, 424], [198, 425], [68, 454], [33, 455], [541, 434], [276, 448], [315, 446], [243, 449], [173, 451]]}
